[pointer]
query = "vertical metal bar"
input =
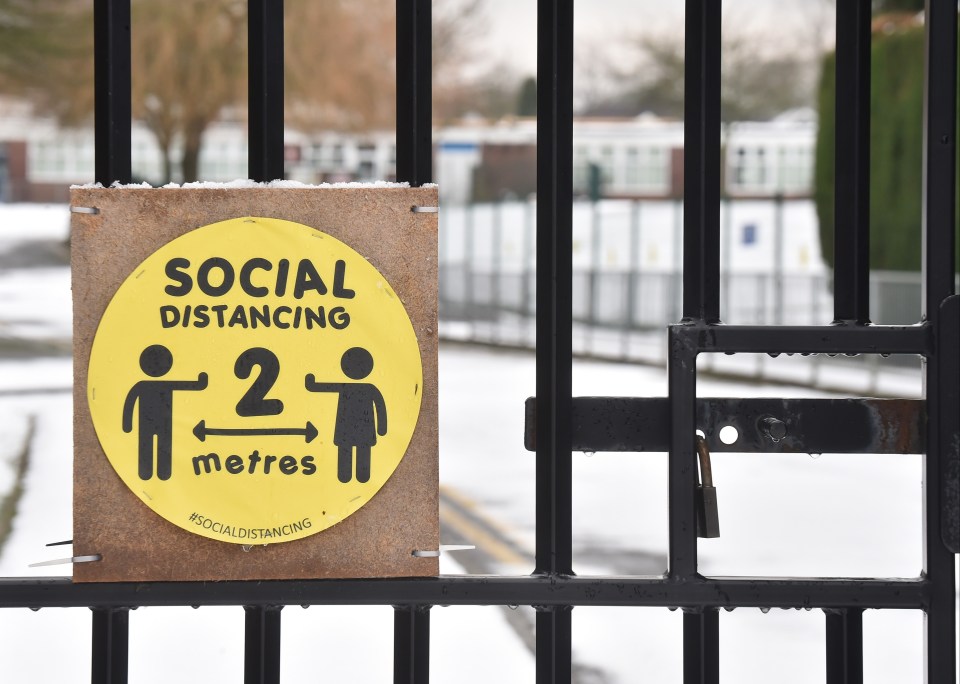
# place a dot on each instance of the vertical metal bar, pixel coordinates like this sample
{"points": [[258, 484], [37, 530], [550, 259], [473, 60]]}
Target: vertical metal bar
{"points": [[701, 282], [554, 638], [112, 106], [851, 274], [414, 92], [411, 625], [701, 647], [701, 166], [682, 386], [939, 215], [947, 445], [111, 638], [845, 646], [554, 485], [265, 89], [411, 645], [112, 162], [261, 657], [264, 163], [939, 133], [554, 288]]}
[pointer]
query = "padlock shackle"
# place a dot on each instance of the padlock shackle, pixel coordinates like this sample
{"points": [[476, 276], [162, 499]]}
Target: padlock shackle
{"points": [[706, 470]]}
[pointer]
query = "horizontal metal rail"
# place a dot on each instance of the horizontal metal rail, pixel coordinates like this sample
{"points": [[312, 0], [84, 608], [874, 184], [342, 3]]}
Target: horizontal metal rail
{"points": [[813, 339], [533, 590], [764, 425]]}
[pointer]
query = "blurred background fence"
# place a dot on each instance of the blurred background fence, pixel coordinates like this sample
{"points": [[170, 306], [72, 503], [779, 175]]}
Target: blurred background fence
{"points": [[627, 283]]}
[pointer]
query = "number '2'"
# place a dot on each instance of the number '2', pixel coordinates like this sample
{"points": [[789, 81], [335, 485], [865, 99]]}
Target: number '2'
{"points": [[254, 402]]}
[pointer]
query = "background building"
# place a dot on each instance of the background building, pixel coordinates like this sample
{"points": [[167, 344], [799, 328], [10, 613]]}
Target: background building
{"points": [[636, 158]]}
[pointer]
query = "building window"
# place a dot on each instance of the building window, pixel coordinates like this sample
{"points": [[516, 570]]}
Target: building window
{"points": [[749, 170], [646, 170], [795, 170], [654, 174]]}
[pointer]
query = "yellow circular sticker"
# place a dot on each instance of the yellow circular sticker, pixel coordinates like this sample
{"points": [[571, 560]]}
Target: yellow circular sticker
{"points": [[255, 381]]}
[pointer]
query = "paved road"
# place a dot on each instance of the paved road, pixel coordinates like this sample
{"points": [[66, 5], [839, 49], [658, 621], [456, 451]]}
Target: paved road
{"points": [[462, 521]]}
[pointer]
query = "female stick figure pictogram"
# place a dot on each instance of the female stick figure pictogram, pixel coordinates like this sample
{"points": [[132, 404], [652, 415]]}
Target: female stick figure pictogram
{"points": [[361, 413]]}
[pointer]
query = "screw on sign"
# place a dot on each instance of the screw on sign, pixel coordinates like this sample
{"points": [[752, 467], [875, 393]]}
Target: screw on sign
{"points": [[241, 379]]}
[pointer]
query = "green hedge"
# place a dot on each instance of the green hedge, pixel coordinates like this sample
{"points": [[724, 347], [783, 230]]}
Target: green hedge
{"points": [[896, 152]]}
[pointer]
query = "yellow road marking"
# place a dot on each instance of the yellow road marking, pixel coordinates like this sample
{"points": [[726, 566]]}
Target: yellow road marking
{"points": [[469, 530]]}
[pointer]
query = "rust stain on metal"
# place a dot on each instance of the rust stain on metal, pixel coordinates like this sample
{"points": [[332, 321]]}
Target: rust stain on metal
{"points": [[899, 424]]}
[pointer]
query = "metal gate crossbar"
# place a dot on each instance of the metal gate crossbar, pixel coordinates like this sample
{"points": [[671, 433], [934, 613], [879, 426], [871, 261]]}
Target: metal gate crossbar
{"points": [[553, 588], [501, 590], [818, 426]]}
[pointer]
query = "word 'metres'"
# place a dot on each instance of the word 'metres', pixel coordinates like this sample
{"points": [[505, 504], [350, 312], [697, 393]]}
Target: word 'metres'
{"points": [[257, 277]]}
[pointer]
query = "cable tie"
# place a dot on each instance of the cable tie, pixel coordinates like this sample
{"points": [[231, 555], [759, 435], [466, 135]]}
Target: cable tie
{"points": [[418, 553], [92, 558]]}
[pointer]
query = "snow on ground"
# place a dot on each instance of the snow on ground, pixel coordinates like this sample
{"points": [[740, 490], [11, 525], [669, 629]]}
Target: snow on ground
{"points": [[33, 303], [620, 503], [19, 222], [621, 499], [204, 645], [780, 515]]}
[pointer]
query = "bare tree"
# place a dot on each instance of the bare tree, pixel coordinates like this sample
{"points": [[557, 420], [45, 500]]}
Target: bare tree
{"points": [[188, 65], [45, 48], [462, 83], [756, 82], [491, 94], [340, 64], [456, 26], [341, 67]]}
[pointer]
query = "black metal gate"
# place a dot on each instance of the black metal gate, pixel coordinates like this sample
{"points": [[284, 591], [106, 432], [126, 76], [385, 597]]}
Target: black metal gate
{"points": [[558, 423]]}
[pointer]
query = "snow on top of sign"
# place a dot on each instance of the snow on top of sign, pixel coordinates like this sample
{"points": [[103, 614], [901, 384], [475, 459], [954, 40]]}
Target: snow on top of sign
{"points": [[245, 183]]}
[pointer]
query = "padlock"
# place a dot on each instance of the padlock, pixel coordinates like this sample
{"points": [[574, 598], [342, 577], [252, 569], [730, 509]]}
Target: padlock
{"points": [[708, 515]]}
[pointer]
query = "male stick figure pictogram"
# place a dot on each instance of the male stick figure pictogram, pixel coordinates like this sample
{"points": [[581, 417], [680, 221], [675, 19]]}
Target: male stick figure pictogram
{"points": [[361, 413], [155, 417]]}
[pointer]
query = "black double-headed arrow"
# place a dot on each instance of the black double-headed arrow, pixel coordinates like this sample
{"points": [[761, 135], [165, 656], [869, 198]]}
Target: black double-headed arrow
{"points": [[201, 431]]}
